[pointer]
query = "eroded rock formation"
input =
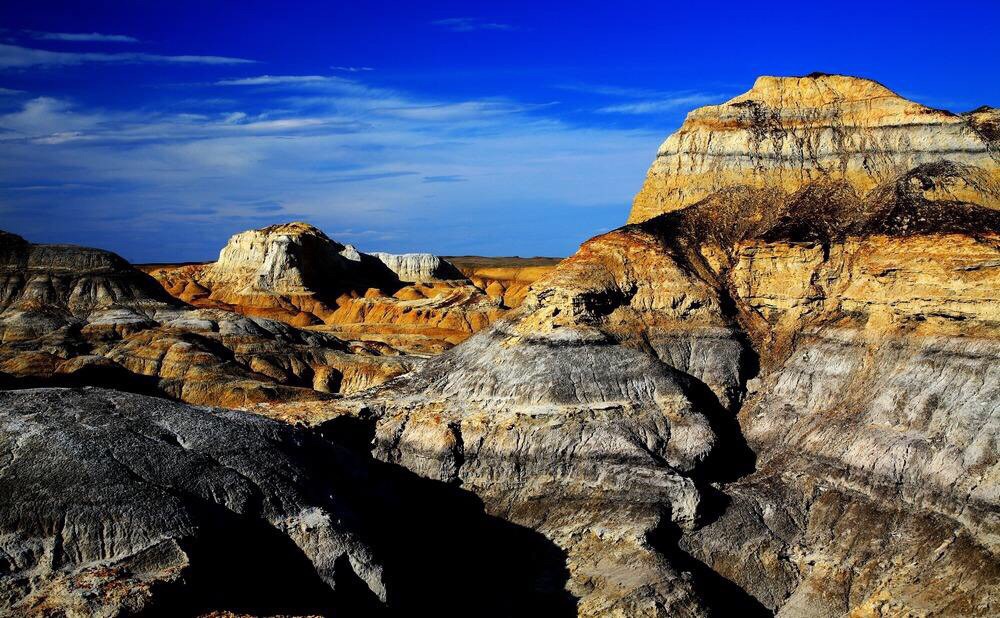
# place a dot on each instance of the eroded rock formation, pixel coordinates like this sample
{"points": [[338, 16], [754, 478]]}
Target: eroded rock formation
{"points": [[776, 397], [504, 278], [413, 303], [789, 132], [118, 504], [73, 315], [775, 392]]}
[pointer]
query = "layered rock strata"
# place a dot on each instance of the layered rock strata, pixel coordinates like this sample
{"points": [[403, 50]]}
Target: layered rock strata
{"points": [[504, 278], [73, 315], [773, 400], [411, 303], [789, 132]]}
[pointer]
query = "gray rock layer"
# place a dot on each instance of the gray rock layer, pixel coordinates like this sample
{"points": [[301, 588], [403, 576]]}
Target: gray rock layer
{"points": [[117, 504]]}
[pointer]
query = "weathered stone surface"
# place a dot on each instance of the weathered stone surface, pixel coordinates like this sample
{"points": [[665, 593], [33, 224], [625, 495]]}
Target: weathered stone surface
{"points": [[58, 303], [419, 267], [504, 278], [119, 504], [789, 132]]}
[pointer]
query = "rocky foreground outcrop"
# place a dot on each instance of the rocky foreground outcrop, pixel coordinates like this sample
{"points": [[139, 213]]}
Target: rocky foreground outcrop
{"points": [[774, 398], [118, 504], [74, 315], [414, 303]]}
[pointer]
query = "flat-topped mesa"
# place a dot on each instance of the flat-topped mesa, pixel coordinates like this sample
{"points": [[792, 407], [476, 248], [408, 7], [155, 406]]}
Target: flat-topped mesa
{"points": [[789, 132], [294, 259], [413, 303], [77, 280], [419, 267]]}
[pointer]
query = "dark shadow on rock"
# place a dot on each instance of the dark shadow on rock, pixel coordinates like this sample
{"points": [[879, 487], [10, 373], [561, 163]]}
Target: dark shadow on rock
{"points": [[732, 458], [443, 554], [244, 565], [116, 378], [721, 596]]}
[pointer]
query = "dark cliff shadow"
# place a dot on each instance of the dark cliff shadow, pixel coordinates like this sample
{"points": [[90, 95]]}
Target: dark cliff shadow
{"points": [[115, 378], [244, 565], [722, 597], [443, 554], [732, 458]]}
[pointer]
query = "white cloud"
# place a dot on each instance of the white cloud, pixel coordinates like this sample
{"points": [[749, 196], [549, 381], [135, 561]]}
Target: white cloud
{"points": [[60, 137], [469, 24], [348, 156], [9, 91], [83, 37], [271, 80], [352, 69], [660, 106], [14, 56]]}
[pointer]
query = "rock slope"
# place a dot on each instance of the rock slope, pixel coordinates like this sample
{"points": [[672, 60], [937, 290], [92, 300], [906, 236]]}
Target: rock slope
{"points": [[118, 504], [777, 399], [789, 132], [73, 315]]}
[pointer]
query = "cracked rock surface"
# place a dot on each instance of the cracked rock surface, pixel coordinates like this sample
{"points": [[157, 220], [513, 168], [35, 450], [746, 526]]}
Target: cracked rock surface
{"points": [[119, 504]]}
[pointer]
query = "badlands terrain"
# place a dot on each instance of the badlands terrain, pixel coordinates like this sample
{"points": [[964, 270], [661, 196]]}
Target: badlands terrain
{"points": [[774, 391]]}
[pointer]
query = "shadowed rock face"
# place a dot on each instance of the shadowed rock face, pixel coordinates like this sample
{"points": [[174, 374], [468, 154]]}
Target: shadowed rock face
{"points": [[118, 504], [73, 315], [776, 399]]}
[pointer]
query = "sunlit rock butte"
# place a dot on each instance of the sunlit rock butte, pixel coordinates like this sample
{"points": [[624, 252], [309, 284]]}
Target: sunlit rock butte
{"points": [[788, 133], [411, 303]]}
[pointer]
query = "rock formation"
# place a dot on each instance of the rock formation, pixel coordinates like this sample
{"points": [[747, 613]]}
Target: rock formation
{"points": [[504, 278], [775, 392], [413, 303], [419, 267], [790, 132], [73, 315], [118, 504], [778, 396]]}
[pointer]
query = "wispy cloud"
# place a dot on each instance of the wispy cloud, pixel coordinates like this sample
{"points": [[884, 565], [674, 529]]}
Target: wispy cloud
{"points": [[610, 90], [14, 56], [660, 106], [9, 91], [271, 80], [352, 69], [644, 100], [445, 178], [469, 24], [345, 154], [82, 37]]}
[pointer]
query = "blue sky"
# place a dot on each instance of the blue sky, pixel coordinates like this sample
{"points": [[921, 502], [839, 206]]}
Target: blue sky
{"points": [[158, 129]]}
